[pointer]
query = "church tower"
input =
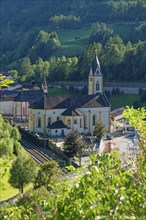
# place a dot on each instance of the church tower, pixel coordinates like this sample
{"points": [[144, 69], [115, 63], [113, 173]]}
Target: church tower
{"points": [[44, 86], [95, 78]]}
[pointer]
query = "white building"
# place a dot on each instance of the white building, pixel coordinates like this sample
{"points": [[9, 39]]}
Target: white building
{"points": [[6, 105], [59, 115], [15, 103], [118, 122], [22, 102]]}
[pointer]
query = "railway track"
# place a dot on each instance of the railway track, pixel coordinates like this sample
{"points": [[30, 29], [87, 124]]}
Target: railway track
{"points": [[39, 156]]}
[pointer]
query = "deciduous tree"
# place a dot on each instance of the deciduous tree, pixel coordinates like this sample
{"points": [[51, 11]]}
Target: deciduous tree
{"points": [[48, 175], [23, 172]]}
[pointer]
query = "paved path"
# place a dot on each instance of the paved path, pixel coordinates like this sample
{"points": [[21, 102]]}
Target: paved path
{"points": [[126, 145]]}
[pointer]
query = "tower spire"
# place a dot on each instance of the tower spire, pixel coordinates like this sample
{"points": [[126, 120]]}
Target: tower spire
{"points": [[44, 86], [95, 78], [90, 73]]}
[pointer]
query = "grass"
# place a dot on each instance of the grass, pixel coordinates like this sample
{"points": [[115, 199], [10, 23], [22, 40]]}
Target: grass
{"points": [[74, 47], [71, 46], [9, 191], [67, 35], [118, 101], [6, 190]]}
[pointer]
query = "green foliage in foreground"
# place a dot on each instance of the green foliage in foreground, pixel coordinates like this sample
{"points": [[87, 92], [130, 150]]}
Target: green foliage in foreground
{"points": [[105, 191], [49, 174], [137, 118], [9, 137], [23, 172]]}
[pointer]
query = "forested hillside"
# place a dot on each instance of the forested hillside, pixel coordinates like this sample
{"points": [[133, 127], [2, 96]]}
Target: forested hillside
{"points": [[35, 13], [39, 30]]}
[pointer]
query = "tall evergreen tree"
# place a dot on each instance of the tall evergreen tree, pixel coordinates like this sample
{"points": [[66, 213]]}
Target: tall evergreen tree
{"points": [[99, 130]]}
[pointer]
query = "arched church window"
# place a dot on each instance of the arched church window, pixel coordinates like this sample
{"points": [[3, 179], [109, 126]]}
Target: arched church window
{"points": [[23, 111], [94, 120], [90, 79], [49, 121], [81, 123], [39, 122], [85, 121], [75, 121], [97, 85], [69, 123]]}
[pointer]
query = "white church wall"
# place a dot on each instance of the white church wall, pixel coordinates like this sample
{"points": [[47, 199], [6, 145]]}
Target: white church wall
{"points": [[100, 113], [6, 107], [21, 110]]}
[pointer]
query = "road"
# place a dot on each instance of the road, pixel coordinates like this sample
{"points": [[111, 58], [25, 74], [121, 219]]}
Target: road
{"points": [[126, 145]]}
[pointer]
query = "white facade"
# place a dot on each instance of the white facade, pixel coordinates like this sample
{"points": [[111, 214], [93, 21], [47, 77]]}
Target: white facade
{"points": [[118, 122], [6, 107], [39, 120], [21, 110]]}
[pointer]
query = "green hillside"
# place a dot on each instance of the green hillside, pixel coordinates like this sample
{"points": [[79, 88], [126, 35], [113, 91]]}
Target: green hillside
{"points": [[33, 30]]}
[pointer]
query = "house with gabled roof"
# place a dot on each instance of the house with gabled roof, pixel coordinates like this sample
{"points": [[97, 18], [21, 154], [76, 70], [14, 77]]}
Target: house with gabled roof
{"points": [[22, 102], [7, 101], [15, 103], [59, 115]]}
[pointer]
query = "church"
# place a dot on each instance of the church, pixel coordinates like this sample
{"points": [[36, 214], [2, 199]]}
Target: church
{"points": [[57, 116]]}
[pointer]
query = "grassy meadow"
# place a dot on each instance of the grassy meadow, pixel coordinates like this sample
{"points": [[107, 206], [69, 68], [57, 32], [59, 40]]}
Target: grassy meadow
{"points": [[74, 41], [8, 191], [118, 101]]}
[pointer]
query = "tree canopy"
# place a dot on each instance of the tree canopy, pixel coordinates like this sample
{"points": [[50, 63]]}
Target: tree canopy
{"points": [[99, 130], [23, 171], [49, 174], [73, 144]]}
